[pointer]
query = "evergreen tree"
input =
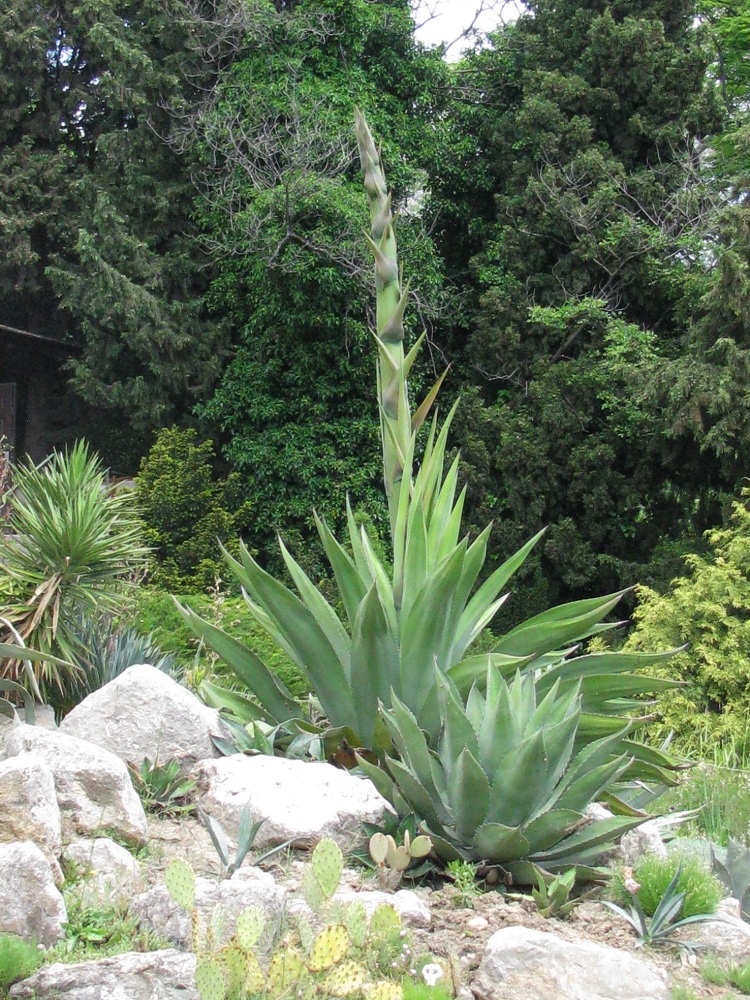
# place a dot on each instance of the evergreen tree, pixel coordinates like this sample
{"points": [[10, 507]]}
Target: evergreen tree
{"points": [[581, 168]]}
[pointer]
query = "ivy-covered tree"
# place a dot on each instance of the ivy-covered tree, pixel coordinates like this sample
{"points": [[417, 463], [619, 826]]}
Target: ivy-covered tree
{"points": [[282, 218]]}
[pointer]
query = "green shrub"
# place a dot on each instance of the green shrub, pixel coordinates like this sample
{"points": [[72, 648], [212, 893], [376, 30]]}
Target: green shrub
{"points": [[185, 508], [707, 609], [703, 891], [721, 797], [18, 959]]}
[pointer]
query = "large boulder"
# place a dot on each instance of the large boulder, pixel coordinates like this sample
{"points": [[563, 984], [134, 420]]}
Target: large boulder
{"points": [[92, 785], [28, 804], [535, 965], [44, 716], [248, 887], [153, 975], [145, 713], [30, 904], [110, 874], [298, 800]]}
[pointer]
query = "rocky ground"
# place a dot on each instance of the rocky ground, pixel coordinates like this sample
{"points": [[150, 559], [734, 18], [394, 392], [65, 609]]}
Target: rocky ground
{"points": [[68, 807]]}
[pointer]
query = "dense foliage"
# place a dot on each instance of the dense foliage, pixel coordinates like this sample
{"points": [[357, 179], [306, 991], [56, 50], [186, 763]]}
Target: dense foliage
{"points": [[179, 203]]}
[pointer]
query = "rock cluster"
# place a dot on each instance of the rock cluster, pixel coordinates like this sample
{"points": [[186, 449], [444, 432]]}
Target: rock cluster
{"points": [[65, 794]]}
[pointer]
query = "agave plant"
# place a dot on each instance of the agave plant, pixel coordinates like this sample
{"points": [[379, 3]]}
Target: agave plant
{"points": [[72, 543], [425, 610], [504, 783], [28, 692]]}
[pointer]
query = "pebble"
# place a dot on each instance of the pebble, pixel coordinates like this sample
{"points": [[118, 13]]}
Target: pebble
{"points": [[477, 923]]}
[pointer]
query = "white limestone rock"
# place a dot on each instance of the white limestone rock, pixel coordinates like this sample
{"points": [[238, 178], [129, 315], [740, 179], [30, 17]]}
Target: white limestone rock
{"points": [[535, 965], [643, 840], [145, 713], [110, 873], [30, 904], [247, 887], [44, 717], [153, 975], [298, 800], [727, 937], [28, 804], [93, 788]]}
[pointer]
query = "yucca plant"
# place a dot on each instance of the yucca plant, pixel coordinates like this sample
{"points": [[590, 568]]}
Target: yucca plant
{"points": [[424, 611], [504, 783], [71, 543]]}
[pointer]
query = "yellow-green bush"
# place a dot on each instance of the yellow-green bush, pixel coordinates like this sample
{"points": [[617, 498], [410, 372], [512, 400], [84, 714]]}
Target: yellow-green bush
{"points": [[707, 609]]}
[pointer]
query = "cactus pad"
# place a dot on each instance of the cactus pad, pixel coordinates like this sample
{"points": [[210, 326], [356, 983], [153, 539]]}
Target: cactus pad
{"points": [[385, 990], [384, 921], [209, 980], [399, 859], [327, 865], [233, 964], [355, 921], [286, 969], [421, 846], [345, 979], [255, 981], [250, 924], [329, 947], [306, 933], [311, 891], [379, 848], [179, 879]]}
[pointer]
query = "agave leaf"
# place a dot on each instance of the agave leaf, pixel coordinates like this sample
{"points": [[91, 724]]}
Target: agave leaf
{"points": [[239, 705], [410, 741], [457, 734], [424, 407], [473, 669], [449, 538], [549, 828], [518, 784], [469, 791], [416, 795], [375, 664], [355, 541], [496, 842], [422, 629], [276, 702], [442, 508], [566, 623], [486, 596], [415, 557], [318, 607], [350, 584], [599, 832], [328, 676]]}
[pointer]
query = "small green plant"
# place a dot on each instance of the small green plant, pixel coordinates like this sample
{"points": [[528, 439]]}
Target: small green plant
{"points": [[552, 895], [18, 959], [463, 874], [393, 859], [161, 787], [717, 974], [720, 796], [417, 989], [734, 873], [660, 928], [248, 831], [701, 890], [335, 961]]}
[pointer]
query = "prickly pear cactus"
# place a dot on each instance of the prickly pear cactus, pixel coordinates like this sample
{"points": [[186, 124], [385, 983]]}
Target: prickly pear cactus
{"points": [[384, 921], [179, 879], [421, 846], [311, 891], [329, 947], [255, 981], [285, 971], [250, 924], [327, 864], [347, 978], [209, 980], [385, 990], [305, 933], [379, 844], [233, 962], [355, 920]]}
